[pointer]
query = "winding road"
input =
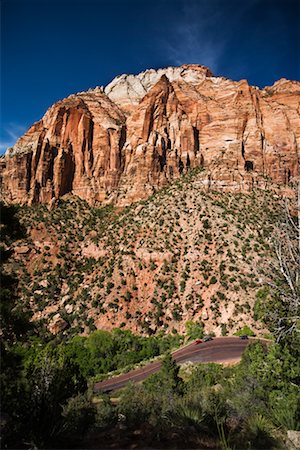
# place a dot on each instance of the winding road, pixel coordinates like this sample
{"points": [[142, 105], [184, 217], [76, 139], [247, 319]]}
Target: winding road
{"points": [[219, 350]]}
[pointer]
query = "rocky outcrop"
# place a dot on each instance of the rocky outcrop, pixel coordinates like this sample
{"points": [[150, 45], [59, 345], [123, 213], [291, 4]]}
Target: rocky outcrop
{"points": [[57, 324], [293, 440], [74, 148], [121, 143], [128, 90]]}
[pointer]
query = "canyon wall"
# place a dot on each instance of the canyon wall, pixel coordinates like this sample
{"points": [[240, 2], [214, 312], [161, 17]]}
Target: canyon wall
{"points": [[121, 143]]}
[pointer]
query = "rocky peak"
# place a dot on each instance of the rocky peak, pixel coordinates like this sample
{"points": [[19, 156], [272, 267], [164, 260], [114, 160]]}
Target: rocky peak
{"points": [[122, 143], [128, 90]]}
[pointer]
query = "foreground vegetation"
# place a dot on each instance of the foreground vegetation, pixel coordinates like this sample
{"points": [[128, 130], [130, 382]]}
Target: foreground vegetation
{"points": [[47, 403], [246, 406]]}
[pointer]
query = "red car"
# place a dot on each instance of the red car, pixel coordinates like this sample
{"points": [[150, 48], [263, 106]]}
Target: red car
{"points": [[198, 341]]}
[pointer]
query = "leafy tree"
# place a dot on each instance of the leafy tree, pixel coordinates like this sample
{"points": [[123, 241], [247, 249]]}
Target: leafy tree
{"points": [[194, 330], [170, 370], [106, 413], [135, 405], [78, 416], [265, 375], [52, 378], [204, 375], [167, 380]]}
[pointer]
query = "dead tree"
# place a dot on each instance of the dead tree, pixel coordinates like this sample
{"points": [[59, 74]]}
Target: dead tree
{"points": [[285, 277]]}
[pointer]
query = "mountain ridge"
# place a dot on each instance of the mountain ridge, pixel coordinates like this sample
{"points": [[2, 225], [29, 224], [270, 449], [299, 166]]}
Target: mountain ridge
{"points": [[119, 144]]}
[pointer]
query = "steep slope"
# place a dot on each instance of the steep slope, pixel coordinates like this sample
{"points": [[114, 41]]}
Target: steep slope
{"points": [[123, 143], [75, 147], [184, 254]]}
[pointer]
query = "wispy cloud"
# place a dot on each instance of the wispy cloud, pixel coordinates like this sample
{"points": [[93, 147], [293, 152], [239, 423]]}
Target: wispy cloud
{"points": [[192, 39], [10, 133], [201, 33]]}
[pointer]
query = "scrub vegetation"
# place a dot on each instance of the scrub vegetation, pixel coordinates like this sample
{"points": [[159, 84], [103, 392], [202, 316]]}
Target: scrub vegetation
{"points": [[47, 399], [183, 254]]}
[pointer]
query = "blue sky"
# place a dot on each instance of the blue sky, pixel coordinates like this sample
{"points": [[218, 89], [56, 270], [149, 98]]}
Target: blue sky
{"points": [[52, 48]]}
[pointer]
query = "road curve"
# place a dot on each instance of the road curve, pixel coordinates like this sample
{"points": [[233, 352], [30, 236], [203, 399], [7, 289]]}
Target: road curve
{"points": [[219, 350]]}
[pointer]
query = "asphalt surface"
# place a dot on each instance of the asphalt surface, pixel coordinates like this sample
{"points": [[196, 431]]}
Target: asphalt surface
{"points": [[219, 350]]}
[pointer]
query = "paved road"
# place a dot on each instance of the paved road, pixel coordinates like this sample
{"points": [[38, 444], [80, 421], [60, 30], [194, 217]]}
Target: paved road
{"points": [[219, 350]]}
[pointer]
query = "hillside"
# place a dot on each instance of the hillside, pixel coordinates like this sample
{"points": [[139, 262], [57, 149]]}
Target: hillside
{"points": [[186, 253]]}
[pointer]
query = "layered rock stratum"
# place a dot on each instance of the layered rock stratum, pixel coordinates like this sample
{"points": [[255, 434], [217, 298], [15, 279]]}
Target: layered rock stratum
{"points": [[121, 143]]}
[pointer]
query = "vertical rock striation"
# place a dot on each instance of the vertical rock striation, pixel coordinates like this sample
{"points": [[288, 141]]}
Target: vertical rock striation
{"points": [[122, 143]]}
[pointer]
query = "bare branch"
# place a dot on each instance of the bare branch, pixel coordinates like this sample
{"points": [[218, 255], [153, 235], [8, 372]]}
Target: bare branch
{"points": [[284, 274]]}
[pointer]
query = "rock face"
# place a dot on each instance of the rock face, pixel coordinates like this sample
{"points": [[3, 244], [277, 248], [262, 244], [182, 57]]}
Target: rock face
{"points": [[57, 325], [121, 143]]}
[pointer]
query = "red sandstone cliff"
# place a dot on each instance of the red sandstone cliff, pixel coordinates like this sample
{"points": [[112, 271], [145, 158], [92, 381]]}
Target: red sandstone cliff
{"points": [[122, 143]]}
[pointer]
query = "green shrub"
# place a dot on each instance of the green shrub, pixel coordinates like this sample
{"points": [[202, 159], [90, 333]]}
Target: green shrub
{"points": [[213, 280], [244, 331], [79, 415], [194, 330]]}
